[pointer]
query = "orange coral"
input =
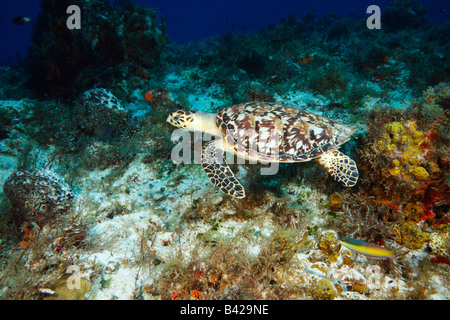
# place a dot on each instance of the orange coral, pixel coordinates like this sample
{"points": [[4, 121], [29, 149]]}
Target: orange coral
{"points": [[199, 275], [148, 96], [143, 74], [26, 240], [195, 294], [309, 58]]}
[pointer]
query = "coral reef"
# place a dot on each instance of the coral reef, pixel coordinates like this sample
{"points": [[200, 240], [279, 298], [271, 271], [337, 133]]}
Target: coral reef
{"points": [[403, 193], [325, 80], [329, 244], [145, 46], [325, 290], [92, 105], [409, 158], [402, 14], [112, 38], [38, 195], [440, 244], [99, 106], [410, 235], [253, 63], [404, 142], [34, 262], [223, 271], [61, 291]]}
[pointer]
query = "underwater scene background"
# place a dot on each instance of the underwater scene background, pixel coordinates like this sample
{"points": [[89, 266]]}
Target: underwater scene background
{"points": [[93, 205]]}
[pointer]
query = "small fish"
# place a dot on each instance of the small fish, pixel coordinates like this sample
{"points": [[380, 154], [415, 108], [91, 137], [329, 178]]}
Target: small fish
{"points": [[103, 130], [21, 20], [442, 10], [370, 250]]}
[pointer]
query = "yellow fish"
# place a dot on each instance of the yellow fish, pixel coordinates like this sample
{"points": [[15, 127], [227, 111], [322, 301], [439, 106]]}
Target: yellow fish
{"points": [[370, 250]]}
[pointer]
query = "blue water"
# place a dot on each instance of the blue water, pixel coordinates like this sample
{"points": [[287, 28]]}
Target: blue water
{"points": [[197, 19]]}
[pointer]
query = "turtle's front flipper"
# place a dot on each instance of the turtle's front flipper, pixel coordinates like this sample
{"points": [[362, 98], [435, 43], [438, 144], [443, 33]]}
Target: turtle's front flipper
{"points": [[218, 171], [341, 167]]}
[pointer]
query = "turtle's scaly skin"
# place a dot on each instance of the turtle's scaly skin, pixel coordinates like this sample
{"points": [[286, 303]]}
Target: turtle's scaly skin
{"points": [[218, 171], [274, 132], [341, 168]]}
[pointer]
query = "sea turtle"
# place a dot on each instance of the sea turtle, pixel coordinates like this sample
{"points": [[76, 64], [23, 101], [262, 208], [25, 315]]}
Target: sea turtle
{"points": [[268, 132]]}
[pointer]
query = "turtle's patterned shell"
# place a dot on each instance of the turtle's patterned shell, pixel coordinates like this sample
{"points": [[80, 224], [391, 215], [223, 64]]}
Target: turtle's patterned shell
{"points": [[277, 132]]}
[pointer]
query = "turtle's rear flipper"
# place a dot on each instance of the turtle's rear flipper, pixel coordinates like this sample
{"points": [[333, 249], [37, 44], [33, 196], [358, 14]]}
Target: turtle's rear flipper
{"points": [[342, 168], [218, 171]]}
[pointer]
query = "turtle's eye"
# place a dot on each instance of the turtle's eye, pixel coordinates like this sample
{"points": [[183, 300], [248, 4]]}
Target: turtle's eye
{"points": [[176, 118]]}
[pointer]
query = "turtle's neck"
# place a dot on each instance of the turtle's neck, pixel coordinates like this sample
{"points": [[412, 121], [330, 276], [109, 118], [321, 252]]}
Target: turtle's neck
{"points": [[205, 122]]}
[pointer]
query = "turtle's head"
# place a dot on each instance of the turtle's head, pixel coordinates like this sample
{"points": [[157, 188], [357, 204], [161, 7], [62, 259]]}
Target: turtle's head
{"points": [[181, 119], [194, 121]]}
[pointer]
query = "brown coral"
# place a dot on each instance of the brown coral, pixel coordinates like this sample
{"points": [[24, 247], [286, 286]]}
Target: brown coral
{"points": [[440, 244], [403, 159], [329, 244], [410, 235], [99, 106], [37, 195]]}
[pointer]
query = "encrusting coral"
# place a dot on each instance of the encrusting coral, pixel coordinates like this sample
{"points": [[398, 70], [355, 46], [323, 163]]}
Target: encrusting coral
{"points": [[99, 106], [112, 41], [329, 244], [440, 244], [37, 195], [403, 143], [403, 195], [404, 161]]}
